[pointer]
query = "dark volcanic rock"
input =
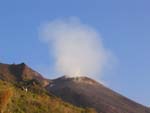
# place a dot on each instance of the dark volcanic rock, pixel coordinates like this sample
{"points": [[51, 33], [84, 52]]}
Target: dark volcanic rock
{"points": [[85, 92], [20, 72]]}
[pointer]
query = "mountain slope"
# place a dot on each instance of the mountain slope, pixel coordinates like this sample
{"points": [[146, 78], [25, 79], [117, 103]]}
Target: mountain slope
{"points": [[22, 90], [20, 72], [32, 101], [85, 92]]}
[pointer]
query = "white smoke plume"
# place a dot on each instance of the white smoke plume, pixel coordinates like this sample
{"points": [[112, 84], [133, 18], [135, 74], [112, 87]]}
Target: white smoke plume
{"points": [[77, 48]]}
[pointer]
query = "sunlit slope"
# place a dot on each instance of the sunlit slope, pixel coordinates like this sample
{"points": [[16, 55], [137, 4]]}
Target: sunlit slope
{"points": [[13, 99]]}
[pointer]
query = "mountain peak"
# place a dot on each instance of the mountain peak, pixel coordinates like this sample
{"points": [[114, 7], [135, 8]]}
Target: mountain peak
{"points": [[81, 79], [81, 91], [23, 65], [20, 72], [86, 92]]}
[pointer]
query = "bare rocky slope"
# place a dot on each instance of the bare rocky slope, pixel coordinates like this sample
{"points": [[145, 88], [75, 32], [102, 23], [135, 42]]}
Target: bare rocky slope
{"points": [[85, 92]]}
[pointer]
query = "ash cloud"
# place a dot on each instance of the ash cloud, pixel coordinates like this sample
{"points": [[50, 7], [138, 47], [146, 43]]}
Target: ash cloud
{"points": [[77, 48]]}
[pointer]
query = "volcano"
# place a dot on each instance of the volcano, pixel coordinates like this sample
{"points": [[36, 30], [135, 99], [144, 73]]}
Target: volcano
{"points": [[83, 92], [86, 92]]}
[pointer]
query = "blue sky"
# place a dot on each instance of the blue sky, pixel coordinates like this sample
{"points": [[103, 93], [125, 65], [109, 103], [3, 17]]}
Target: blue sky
{"points": [[123, 25]]}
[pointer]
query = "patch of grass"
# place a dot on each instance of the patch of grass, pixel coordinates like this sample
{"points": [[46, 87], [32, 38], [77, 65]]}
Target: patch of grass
{"points": [[36, 100]]}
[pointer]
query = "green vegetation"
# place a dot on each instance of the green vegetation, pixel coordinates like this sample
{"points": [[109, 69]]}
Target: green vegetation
{"points": [[14, 99]]}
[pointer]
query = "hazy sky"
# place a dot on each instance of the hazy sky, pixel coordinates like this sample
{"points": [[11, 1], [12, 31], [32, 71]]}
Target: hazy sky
{"points": [[123, 25]]}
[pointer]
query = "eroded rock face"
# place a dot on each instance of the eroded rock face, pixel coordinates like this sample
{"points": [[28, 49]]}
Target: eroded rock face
{"points": [[85, 92], [20, 72]]}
